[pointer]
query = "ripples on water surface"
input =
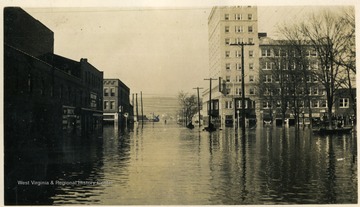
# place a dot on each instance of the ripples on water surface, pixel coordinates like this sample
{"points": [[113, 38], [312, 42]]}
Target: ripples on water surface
{"points": [[168, 164]]}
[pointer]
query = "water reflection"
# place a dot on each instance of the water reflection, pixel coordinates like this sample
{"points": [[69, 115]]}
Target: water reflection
{"points": [[166, 164]]}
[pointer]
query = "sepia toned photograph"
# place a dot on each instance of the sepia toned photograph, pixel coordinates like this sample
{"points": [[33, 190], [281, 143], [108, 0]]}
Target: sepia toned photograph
{"points": [[214, 104]]}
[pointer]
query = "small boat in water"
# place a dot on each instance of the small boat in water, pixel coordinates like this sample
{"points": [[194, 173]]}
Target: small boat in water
{"points": [[326, 131]]}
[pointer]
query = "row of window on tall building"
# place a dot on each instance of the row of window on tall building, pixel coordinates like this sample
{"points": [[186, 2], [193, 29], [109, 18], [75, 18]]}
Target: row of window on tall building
{"points": [[238, 66], [343, 103], [238, 40], [276, 78], [230, 104], [238, 16], [237, 91], [266, 52], [239, 29]]}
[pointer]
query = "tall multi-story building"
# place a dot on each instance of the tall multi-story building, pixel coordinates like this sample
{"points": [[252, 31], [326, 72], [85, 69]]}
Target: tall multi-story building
{"points": [[229, 26]]}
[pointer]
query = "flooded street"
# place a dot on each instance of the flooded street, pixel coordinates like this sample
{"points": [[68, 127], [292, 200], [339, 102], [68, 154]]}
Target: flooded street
{"points": [[168, 164]]}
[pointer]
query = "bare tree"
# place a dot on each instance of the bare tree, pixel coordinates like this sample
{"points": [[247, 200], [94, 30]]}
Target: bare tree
{"points": [[301, 53], [188, 105], [326, 33], [283, 87]]}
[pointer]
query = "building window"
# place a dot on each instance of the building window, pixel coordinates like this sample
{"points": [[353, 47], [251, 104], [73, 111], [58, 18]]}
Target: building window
{"points": [[251, 40], [250, 17], [251, 66], [238, 91], [265, 52], [314, 104], [344, 102], [250, 29], [227, 29], [227, 78], [238, 78], [239, 29], [252, 91], [238, 16], [228, 104], [238, 66], [277, 78], [106, 105], [112, 104], [251, 78], [267, 66], [268, 79], [238, 104], [227, 54], [228, 66], [239, 40], [106, 92], [238, 53], [227, 41], [226, 16], [266, 105], [315, 91], [276, 52], [112, 91], [251, 53], [228, 90], [323, 103]]}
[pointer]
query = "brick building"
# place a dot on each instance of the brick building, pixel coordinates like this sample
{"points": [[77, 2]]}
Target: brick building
{"points": [[116, 107]]}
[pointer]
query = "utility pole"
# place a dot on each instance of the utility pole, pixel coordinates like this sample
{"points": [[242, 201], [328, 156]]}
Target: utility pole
{"points": [[137, 110], [242, 44], [210, 126], [197, 88], [142, 109]]}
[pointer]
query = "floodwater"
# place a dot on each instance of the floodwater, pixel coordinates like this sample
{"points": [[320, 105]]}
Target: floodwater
{"points": [[168, 164]]}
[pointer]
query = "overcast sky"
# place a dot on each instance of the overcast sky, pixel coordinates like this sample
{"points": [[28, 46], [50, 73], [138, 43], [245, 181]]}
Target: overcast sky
{"points": [[159, 51]]}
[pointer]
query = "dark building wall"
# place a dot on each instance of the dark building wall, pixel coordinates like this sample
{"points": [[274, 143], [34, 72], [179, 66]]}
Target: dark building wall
{"points": [[92, 79], [24, 32], [31, 107]]}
